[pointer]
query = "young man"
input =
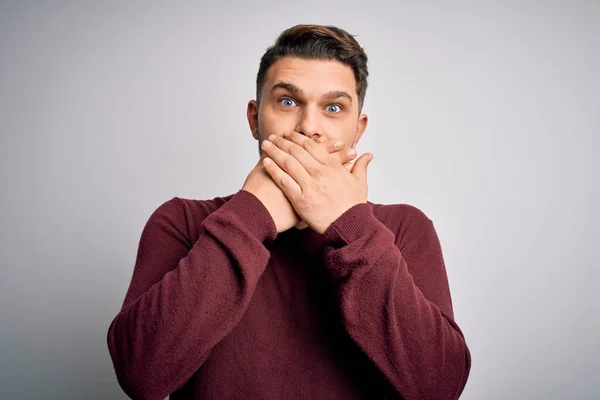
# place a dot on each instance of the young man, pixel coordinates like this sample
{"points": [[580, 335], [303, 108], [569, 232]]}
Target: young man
{"points": [[296, 286]]}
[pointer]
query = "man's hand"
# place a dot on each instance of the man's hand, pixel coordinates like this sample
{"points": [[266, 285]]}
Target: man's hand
{"points": [[318, 186], [260, 184]]}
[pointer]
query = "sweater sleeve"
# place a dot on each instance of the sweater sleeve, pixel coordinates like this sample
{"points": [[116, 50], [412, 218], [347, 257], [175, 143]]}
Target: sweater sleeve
{"points": [[185, 297], [396, 304]]}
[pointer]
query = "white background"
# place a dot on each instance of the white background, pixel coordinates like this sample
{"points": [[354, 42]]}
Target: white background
{"points": [[485, 115]]}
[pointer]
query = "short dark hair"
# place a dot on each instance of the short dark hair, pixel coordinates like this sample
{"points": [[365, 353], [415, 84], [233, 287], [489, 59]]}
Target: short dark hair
{"points": [[317, 42]]}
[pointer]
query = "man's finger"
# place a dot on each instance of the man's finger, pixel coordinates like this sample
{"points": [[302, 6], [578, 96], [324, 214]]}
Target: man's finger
{"points": [[359, 170], [286, 183], [297, 152], [337, 147], [289, 161], [347, 155], [315, 149], [333, 145]]}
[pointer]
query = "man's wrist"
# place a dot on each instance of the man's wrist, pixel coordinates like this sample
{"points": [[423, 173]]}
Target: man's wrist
{"points": [[353, 224], [254, 214]]}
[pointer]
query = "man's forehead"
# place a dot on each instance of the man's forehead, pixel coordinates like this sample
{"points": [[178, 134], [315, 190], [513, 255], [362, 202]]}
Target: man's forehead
{"points": [[313, 75]]}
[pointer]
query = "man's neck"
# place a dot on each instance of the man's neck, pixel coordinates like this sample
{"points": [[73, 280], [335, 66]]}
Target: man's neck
{"points": [[301, 225]]}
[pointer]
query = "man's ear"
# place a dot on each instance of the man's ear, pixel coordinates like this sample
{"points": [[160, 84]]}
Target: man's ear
{"points": [[363, 121], [252, 114]]}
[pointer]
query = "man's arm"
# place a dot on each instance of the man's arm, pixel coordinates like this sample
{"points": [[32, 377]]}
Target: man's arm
{"points": [[185, 297], [396, 305]]}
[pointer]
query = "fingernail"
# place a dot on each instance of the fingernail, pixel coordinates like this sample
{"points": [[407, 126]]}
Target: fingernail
{"points": [[272, 137], [338, 144], [351, 152]]}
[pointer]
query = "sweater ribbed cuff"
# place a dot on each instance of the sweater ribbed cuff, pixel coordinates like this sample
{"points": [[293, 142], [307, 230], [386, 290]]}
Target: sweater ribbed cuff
{"points": [[350, 226], [253, 214]]}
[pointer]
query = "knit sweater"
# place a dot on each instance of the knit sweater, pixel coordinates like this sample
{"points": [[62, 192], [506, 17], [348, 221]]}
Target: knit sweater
{"points": [[220, 306]]}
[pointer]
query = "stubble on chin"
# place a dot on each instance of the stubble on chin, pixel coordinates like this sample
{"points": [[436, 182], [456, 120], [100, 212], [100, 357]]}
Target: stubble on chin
{"points": [[261, 154]]}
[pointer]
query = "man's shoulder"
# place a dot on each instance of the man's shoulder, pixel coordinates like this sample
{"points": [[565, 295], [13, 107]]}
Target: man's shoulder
{"points": [[405, 221], [186, 214], [399, 213], [201, 208]]}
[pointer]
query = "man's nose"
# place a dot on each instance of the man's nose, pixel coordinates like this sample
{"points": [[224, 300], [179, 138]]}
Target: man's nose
{"points": [[309, 123]]}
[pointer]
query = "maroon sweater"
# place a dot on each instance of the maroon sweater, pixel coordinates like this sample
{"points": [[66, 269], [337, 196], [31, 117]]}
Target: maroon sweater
{"points": [[221, 307]]}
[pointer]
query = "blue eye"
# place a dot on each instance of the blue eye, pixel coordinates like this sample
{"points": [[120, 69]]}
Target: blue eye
{"points": [[334, 108], [287, 102]]}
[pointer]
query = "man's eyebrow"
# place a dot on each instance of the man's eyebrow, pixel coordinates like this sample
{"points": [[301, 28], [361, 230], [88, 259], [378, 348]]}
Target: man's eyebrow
{"points": [[336, 94], [287, 86]]}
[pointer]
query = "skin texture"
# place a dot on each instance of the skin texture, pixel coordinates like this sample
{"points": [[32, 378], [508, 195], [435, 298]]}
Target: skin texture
{"points": [[302, 179]]}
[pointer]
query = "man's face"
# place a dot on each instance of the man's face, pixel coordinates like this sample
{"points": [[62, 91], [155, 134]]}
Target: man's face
{"points": [[317, 98]]}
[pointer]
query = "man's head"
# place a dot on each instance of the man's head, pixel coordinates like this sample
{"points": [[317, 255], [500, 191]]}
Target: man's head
{"points": [[312, 80]]}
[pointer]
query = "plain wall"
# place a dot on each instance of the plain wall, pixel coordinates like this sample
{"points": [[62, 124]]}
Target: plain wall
{"points": [[485, 115]]}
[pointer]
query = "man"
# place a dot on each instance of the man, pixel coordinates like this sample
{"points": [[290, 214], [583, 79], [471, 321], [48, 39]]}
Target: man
{"points": [[296, 286]]}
